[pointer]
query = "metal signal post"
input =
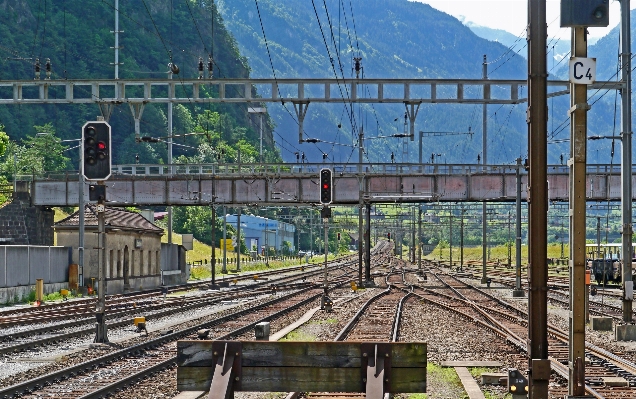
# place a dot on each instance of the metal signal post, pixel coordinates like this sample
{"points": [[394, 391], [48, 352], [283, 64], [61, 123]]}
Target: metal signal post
{"points": [[96, 166]]}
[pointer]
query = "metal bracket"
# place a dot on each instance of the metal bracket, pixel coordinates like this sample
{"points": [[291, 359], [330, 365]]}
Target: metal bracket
{"points": [[226, 356], [580, 106], [375, 369]]}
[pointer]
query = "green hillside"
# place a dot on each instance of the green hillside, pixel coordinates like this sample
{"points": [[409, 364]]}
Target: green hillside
{"points": [[395, 39], [77, 38]]}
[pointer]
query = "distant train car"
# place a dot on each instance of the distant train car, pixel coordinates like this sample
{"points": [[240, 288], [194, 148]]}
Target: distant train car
{"points": [[606, 271], [604, 262]]}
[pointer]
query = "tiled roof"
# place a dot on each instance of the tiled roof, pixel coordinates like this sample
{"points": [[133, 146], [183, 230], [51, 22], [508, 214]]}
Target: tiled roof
{"points": [[113, 218]]}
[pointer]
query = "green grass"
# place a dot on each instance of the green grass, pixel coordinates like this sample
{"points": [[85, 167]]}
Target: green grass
{"points": [[298, 335], [500, 252]]}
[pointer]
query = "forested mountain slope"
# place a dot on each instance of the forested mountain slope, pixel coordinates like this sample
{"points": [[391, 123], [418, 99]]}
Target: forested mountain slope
{"points": [[77, 36]]}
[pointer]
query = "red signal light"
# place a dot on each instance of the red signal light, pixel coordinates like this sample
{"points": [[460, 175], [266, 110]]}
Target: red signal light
{"points": [[101, 145]]}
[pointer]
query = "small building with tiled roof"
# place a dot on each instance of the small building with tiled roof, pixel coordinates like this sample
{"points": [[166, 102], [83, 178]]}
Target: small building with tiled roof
{"points": [[133, 248]]}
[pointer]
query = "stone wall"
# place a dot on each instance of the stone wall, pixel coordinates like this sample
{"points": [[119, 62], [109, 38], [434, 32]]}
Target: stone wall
{"points": [[24, 224]]}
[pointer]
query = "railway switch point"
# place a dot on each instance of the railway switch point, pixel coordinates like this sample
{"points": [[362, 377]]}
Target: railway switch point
{"points": [[493, 378]]}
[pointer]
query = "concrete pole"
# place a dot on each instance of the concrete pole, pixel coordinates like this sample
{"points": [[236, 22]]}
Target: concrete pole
{"points": [[578, 161], [518, 292], [450, 238], [117, 43], [80, 247], [170, 95], [538, 362], [367, 244], [224, 268], [484, 158], [261, 145], [101, 335], [419, 238], [360, 241], [626, 161], [238, 241], [461, 241], [213, 244], [326, 275], [360, 149]]}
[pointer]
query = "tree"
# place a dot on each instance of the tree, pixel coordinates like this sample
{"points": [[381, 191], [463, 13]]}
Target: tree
{"points": [[43, 152]]}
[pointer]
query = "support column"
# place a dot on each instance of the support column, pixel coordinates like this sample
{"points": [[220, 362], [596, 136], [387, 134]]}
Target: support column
{"points": [[367, 245], [213, 242], [412, 114], [419, 238], [224, 268], [301, 110], [360, 241], [626, 162], [484, 158], [577, 163], [137, 109], [539, 365], [101, 335], [518, 292], [238, 241]]}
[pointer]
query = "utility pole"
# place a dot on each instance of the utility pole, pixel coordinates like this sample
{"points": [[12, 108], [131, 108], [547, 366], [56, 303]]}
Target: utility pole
{"points": [[419, 241], [626, 161], [538, 362], [325, 297], [461, 241], [238, 241], [450, 238], [367, 244], [224, 268], [101, 335], [170, 95], [518, 292], [484, 150], [213, 244], [80, 247], [578, 163]]}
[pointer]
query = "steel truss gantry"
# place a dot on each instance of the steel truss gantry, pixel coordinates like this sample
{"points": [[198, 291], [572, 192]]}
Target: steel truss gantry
{"points": [[107, 93]]}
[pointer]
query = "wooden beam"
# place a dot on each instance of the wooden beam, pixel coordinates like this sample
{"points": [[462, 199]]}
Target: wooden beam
{"points": [[312, 366]]}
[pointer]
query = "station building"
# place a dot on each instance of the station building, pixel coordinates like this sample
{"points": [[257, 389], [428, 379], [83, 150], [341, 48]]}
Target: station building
{"points": [[133, 255], [261, 232]]}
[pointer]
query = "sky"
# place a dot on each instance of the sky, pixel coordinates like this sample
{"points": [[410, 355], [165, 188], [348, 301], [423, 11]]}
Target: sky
{"points": [[512, 15]]}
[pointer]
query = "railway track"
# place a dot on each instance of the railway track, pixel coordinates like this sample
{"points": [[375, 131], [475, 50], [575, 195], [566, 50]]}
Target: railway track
{"points": [[511, 323], [150, 355], [120, 368]]}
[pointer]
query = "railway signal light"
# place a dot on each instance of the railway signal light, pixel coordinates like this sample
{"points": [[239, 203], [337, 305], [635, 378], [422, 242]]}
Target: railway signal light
{"points": [[325, 186], [338, 236], [517, 383], [586, 13], [96, 155], [388, 235]]}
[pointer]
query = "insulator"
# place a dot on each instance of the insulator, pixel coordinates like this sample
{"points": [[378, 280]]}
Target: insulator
{"points": [[48, 68]]}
